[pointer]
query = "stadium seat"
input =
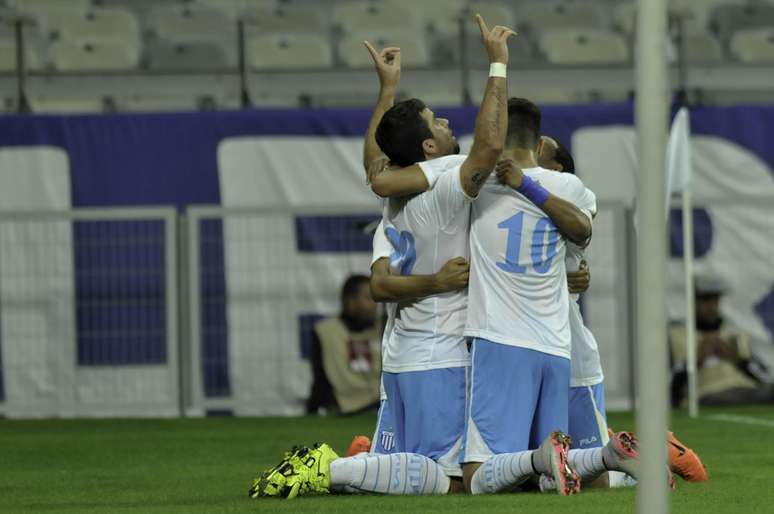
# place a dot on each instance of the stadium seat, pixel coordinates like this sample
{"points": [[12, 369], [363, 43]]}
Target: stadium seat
{"points": [[8, 56], [703, 48], [98, 25], [298, 51], [414, 50], [625, 17], [287, 20], [209, 55], [729, 19], [540, 16], [584, 46], [446, 51], [63, 105], [446, 21], [190, 23], [368, 16], [143, 103], [137, 6], [754, 45], [429, 13], [96, 56], [695, 14], [45, 12], [232, 9]]}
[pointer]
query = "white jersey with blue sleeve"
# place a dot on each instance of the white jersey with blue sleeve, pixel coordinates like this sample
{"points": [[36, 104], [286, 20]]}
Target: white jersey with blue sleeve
{"points": [[585, 363], [518, 284], [425, 231]]}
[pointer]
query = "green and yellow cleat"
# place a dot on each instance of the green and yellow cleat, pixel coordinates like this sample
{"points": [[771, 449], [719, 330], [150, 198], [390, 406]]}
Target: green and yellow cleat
{"points": [[303, 472]]}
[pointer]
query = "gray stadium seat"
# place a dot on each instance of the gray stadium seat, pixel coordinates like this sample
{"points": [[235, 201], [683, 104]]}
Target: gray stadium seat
{"points": [[367, 16], [414, 50], [114, 24], [754, 45], [446, 50], [434, 14], [66, 105], [165, 56], [190, 23], [703, 49], [297, 51], [8, 56], [583, 46], [446, 21], [286, 20], [728, 19], [235, 8], [539, 16], [97, 56], [46, 12]]}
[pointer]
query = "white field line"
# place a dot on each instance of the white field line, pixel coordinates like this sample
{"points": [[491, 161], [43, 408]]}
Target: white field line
{"points": [[745, 420]]}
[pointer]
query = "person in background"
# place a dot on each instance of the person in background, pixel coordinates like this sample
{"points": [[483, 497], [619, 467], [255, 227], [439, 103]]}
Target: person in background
{"points": [[346, 354], [727, 370]]}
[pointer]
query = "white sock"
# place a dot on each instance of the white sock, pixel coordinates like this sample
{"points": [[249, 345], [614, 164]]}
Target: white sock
{"points": [[397, 473], [501, 472], [588, 463]]}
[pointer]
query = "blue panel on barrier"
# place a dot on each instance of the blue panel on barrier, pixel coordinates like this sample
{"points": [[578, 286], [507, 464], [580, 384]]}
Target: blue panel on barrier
{"points": [[702, 232], [217, 382], [306, 323], [335, 233], [120, 292]]}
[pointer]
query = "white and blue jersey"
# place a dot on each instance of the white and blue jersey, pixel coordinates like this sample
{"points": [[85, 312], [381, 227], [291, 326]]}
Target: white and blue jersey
{"points": [[518, 315], [424, 354]]}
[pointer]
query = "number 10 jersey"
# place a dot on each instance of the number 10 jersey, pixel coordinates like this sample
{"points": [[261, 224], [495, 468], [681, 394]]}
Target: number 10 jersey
{"points": [[518, 284]]}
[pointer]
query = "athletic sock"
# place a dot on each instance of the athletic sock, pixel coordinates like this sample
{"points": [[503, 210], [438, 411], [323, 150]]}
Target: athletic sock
{"points": [[397, 473], [502, 471], [588, 463]]}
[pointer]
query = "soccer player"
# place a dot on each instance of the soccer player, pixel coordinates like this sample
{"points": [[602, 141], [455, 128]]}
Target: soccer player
{"points": [[587, 419], [425, 355]]}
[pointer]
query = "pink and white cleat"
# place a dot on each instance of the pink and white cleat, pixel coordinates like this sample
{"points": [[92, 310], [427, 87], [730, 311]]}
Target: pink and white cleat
{"points": [[554, 452]]}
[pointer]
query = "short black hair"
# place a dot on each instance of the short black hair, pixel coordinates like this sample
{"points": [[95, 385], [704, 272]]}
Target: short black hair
{"points": [[564, 157], [401, 132], [351, 287], [524, 119]]}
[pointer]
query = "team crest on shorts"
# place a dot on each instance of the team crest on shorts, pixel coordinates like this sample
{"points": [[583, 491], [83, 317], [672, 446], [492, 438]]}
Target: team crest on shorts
{"points": [[387, 440]]}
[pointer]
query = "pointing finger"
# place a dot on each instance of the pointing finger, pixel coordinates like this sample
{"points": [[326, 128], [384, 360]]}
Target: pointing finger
{"points": [[482, 25], [371, 50]]}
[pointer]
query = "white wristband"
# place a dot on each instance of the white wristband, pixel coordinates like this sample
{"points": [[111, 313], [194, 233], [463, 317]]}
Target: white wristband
{"points": [[498, 69]]}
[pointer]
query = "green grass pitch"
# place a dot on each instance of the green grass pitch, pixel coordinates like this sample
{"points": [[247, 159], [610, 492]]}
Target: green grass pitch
{"points": [[206, 466]]}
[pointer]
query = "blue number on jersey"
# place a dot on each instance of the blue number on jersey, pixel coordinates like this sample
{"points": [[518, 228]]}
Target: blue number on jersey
{"points": [[538, 238], [405, 255], [514, 225]]}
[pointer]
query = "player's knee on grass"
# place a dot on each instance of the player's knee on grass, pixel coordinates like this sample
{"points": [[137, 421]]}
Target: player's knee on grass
{"points": [[468, 470]]}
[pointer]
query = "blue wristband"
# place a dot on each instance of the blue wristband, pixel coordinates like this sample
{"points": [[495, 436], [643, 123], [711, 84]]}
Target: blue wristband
{"points": [[534, 192]]}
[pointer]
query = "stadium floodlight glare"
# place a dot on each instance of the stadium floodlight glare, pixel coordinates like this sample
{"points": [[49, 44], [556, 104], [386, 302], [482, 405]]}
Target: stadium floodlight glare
{"points": [[651, 118]]}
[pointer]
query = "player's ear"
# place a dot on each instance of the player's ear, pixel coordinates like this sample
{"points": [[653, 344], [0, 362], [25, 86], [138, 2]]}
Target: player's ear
{"points": [[429, 147]]}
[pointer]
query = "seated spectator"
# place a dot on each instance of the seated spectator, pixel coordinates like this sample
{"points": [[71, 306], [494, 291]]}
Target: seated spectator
{"points": [[726, 368], [346, 354]]}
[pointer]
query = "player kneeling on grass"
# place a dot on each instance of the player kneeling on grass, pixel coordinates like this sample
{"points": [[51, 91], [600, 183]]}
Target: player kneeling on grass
{"points": [[425, 359]]}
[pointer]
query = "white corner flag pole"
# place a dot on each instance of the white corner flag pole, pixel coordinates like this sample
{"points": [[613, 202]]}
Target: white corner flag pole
{"points": [[690, 305], [679, 179], [651, 118]]}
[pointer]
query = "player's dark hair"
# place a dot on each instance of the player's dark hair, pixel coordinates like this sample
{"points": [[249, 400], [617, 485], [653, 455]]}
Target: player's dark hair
{"points": [[564, 157], [401, 132], [523, 124], [351, 287]]}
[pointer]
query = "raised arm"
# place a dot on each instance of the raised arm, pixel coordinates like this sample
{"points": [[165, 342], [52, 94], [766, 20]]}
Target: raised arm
{"points": [[386, 287], [492, 119], [387, 63], [572, 222]]}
